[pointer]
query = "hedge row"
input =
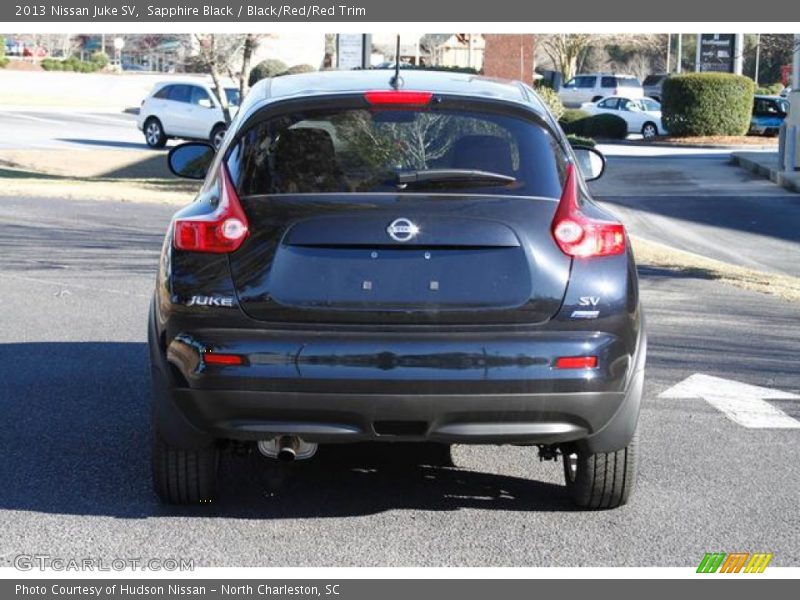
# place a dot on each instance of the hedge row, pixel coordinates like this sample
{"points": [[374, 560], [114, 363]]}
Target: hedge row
{"points": [[98, 61], [702, 104], [580, 123]]}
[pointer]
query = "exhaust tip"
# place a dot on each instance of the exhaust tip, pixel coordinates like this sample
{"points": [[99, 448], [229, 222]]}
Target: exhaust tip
{"points": [[287, 448], [286, 455]]}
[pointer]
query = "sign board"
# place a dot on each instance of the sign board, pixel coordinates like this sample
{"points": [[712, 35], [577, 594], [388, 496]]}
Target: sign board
{"points": [[350, 51], [717, 53]]}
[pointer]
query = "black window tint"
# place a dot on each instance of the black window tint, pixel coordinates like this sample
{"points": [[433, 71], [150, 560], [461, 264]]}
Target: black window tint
{"points": [[198, 94], [609, 103], [586, 81], [163, 93], [180, 93], [608, 82], [357, 150]]}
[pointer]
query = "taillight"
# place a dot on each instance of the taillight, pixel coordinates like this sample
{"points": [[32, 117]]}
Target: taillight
{"points": [[398, 98], [579, 235], [218, 232], [576, 362], [224, 360]]}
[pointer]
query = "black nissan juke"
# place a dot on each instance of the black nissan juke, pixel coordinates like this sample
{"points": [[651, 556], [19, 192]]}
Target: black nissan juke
{"points": [[383, 259]]}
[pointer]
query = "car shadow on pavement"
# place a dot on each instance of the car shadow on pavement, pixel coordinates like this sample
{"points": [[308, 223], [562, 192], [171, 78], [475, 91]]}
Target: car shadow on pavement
{"points": [[77, 442]]}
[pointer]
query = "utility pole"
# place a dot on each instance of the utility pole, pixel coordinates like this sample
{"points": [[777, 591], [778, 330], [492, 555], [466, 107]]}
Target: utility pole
{"points": [[758, 56], [738, 53], [795, 83], [669, 48], [679, 53]]}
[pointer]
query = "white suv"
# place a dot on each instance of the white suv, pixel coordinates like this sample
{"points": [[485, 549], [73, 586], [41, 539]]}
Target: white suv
{"points": [[181, 109], [593, 86]]}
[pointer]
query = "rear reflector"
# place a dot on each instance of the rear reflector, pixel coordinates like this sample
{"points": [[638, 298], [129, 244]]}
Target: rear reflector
{"points": [[579, 235], [398, 98], [222, 359], [576, 362]]}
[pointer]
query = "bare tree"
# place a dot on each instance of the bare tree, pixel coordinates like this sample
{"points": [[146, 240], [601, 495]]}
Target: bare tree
{"points": [[565, 51], [217, 53]]}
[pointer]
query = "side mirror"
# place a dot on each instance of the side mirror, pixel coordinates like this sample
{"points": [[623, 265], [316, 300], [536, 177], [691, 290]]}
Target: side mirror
{"points": [[205, 103], [591, 162], [191, 160]]}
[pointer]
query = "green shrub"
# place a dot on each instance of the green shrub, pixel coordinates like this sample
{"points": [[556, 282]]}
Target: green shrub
{"points": [[3, 62], [550, 97], [607, 126], [3, 59], [570, 115], [698, 104], [773, 89], [69, 64], [576, 140], [100, 59], [266, 68], [297, 69]]}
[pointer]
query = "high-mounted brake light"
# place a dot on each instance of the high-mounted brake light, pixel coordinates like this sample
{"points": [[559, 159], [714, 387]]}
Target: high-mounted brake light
{"points": [[218, 232], [579, 235], [398, 98], [576, 362], [222, 359]]}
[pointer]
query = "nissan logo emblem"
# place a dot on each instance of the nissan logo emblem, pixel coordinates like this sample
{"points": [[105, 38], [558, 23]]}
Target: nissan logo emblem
{"points": [[402, 230]]}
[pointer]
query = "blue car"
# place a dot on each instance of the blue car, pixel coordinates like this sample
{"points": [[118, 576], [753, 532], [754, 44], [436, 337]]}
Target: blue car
{"points": [[768, 114]]}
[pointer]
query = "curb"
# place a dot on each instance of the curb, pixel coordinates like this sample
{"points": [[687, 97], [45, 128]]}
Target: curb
{"points": [[787, 180], [738, 148]]}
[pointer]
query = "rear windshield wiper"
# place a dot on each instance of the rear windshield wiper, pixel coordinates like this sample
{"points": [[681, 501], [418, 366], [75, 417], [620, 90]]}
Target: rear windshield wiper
{"points": [[465, 176]]}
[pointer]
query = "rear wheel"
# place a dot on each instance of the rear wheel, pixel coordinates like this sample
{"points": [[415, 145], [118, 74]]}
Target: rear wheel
{"points": [[154, 133], [604, 480], [649, 131], [183, 475], [597, 98]]}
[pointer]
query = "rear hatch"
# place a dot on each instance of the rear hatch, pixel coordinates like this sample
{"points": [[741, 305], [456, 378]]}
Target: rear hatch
{"points": [[386, 216]]}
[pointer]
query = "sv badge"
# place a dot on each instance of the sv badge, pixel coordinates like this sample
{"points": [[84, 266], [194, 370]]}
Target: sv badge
{"points": [[589, 301]]}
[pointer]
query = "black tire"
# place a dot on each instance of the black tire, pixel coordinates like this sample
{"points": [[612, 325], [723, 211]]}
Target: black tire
{"points": [[597, 98], [649, 130], [154, 134], [217, 133], [184, 476], [601, 481]]}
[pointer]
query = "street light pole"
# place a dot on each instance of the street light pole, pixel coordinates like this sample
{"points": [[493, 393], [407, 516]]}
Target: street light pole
{"points": [[795, 83], [758, 56], [679, 53], [669, 48]]}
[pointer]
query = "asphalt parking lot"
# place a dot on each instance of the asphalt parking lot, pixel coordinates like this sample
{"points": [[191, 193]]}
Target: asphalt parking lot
{"points": [[76, 280]]}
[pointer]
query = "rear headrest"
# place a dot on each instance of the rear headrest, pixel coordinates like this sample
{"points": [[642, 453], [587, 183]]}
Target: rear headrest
{"points": [[483, 153], [305, 149]]}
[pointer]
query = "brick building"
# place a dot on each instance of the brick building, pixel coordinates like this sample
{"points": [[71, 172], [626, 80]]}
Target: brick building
{"points": [[509, 56]]}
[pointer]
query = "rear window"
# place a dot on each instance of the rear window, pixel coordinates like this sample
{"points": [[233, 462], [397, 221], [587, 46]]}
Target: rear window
{"points": [[628, 82], [363, 150], [653, 80]]}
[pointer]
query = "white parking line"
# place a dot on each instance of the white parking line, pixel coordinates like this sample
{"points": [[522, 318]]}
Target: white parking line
{"points": [[16, 115], [740, 402]]}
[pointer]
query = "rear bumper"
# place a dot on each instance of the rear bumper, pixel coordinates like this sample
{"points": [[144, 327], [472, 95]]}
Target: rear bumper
{"points": [[326, 388]]}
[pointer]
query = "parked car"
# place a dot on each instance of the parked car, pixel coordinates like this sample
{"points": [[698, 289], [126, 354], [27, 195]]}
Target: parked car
{"points": [[187, 110], [593, 87], [768, 114], [369, 285], [653, 86], [643, 115]]}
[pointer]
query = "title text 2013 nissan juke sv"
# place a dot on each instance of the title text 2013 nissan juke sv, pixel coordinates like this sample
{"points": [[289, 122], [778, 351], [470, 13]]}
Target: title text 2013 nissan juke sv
{"points": [[407, 260]]}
